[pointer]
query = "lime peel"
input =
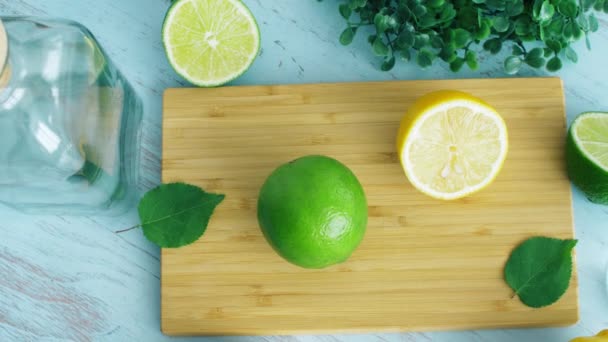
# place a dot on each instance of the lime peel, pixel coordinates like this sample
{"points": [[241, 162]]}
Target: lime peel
{"points": [[313, 211]]}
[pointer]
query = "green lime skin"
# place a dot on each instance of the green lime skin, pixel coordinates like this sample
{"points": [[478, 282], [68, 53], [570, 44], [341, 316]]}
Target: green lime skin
{"points": [[589, 177], [313, 212]]}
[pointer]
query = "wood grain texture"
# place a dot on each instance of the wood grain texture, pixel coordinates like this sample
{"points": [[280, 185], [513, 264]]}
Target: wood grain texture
{"points": [[423, 265]]}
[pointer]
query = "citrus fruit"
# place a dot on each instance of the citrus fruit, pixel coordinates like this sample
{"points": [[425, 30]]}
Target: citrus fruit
{"points": [[601, 337], [587, 155], [451, 144], [210, 42], [313, 211]]}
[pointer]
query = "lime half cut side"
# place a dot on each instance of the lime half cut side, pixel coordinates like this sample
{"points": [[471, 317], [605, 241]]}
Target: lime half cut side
{"points": [[210, 42], [587, 155]]}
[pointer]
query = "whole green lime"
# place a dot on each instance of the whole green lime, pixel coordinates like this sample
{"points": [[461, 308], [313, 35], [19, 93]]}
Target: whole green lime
{"points": [[313, 211]]}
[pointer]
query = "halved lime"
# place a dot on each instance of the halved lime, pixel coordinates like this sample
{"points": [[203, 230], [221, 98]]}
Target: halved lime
{"points": [[587, 155], [210, 42]]}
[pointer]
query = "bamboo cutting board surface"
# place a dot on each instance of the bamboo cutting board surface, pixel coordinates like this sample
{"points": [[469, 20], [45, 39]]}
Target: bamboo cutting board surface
{"points": [[423, 265]]}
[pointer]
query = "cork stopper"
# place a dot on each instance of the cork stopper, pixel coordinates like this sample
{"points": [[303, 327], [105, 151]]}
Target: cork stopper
{"points": [[5, 71], [3, 46]]}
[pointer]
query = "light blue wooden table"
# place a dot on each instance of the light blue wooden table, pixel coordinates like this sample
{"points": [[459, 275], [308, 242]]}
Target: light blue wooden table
{"points": [[74, 279]]}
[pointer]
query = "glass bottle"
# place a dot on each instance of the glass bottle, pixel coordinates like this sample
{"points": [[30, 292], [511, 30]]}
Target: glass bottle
{"points": [[69, 121]]}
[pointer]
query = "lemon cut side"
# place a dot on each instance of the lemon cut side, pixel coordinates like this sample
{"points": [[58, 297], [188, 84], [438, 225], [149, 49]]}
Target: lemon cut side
{"points": [[452, 144]]}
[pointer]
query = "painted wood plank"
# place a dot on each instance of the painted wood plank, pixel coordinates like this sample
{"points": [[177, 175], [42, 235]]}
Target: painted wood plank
{"points": [[299, 46]]}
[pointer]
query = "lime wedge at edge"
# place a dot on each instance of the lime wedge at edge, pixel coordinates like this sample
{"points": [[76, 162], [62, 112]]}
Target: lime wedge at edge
{"points": [[587, 155], [210, 42]]}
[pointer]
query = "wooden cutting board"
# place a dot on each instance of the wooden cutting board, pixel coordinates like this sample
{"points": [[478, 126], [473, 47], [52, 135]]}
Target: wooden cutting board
{"points": [[423, 265]]}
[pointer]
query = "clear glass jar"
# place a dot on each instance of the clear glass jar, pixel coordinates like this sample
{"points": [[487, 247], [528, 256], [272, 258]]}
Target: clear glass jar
{"points": [[69, 121]]}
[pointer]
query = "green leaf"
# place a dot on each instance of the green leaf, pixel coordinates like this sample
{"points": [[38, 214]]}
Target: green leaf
{"points": [[425, 58], [496, 4], [382, 22], [392, 21], [406, 38], [427, 21], [554, 45], [177, 214], [529, 37], [522, 26], [405, 55], [556, 28], [587, 4], [568, 8], [569, 30], [547, 11], [345, 11], [517, 50], [419, 11], [365, 14], [448, 53], [436, 42], [380, 48], [571, 54], [347, 36], [421, 40], [537, 8], [577, 32], [388, 64], [542, 33], [354, 4], [554, 64], [535, 62], [493, 45], [448, 13], [583, 22], [593, 23], [461, 37], [501, 24], [457, 64], [539, 270], [471, 58], [484, 31], [535, 53], [512, 65], [467, 16], [435, 3], [516, 8]]}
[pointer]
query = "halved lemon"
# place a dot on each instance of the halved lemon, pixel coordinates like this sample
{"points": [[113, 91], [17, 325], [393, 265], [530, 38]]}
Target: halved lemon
{"points": [[452, 144]]}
